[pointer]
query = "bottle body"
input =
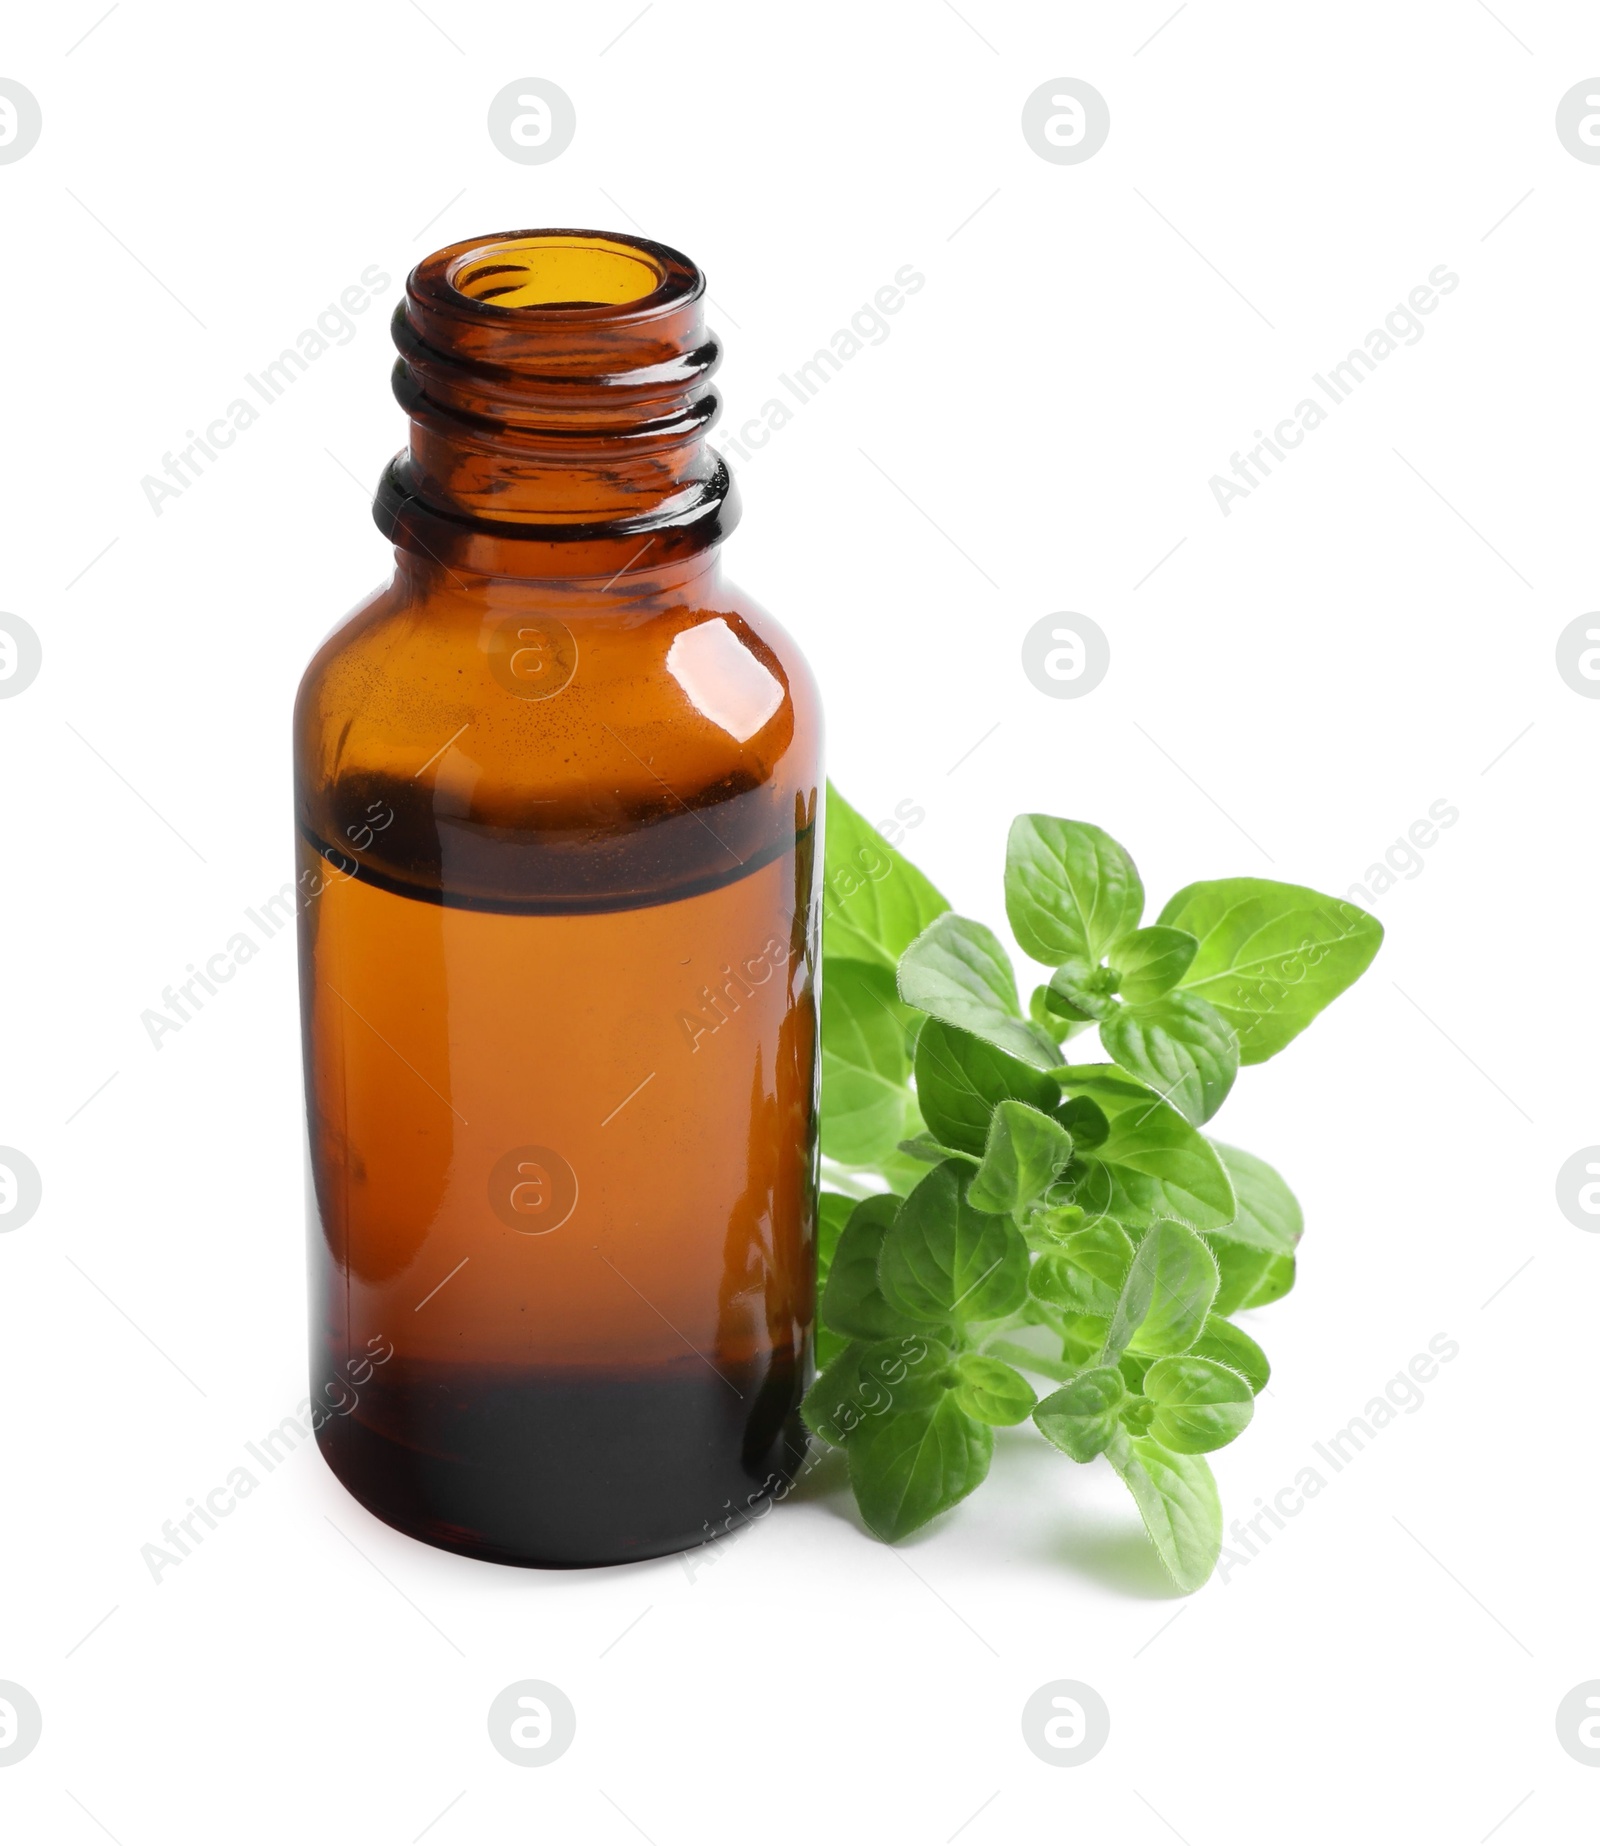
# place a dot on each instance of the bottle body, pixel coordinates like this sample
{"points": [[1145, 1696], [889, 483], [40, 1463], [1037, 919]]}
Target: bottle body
{"points": [[558, 939]]}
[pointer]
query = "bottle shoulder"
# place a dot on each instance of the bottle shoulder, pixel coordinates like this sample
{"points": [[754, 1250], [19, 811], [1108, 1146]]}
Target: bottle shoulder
{"points": [[536, 675], [518, 738]]}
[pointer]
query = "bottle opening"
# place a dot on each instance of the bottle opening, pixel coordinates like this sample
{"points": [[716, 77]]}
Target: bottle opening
{"points": [[563, 270]]}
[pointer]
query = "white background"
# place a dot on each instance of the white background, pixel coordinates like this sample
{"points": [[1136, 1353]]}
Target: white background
{"points": [[1361, 637]]}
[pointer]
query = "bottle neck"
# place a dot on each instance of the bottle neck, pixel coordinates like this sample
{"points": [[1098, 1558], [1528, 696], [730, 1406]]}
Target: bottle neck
{"points": [[629, 597], [558, 390]]}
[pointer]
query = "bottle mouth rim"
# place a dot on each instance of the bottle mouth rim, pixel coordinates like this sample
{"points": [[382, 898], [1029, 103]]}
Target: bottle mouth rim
{"points": [[556, 275]]}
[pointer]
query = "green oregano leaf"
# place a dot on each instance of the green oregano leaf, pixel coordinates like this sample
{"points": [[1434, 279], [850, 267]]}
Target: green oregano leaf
{"points": [[1199, 1404], [1168, 1292], [1268, 1215], [1071, 890], [1271, 955], [1177, 1500], [1084, 1120], [1081, 1418], [864, 1063], [1255, 1250], [944, 1260], [1159, 1164], [960, 1079], [1250, 1278], [874, 903], [923, 1147], [1179, 1045], [1022, 1155], [1049, 1226], [909, 1466], [1150, 961], [1049, 1022], [872, 1378], [1233, 1347], [1080, 992], [991, 1391], [957, 972], [852, 1303], [1085, 1273]]}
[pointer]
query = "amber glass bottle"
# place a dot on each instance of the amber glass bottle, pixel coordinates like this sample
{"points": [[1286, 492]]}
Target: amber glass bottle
{"points": [[557, 796]]}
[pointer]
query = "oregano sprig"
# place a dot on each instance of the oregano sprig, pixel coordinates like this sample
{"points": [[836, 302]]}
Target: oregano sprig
{"points": [[997, 1211]]}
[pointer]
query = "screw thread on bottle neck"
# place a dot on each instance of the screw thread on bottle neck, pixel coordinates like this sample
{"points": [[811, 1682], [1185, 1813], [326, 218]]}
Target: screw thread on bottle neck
{"points": [[558, 388]]}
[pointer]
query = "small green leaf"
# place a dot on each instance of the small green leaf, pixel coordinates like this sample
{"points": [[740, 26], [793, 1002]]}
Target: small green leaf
{"points": [[1250, 1278], [909, 1466], [957, 972], [1136, 1414], [1255, 1251], [1071, 890], [1081, 1418], [871, 1378], [960, 1078], [1169, 1290], [852, 1302], [874, 903], [1048, 1022], [1199, 1404], [991, 1391], [864, 1063], [1271, 955], [1177, 1500], [1233, 1347], [1182, 1047], [1024, 1152], [1151, 960], [1085, 1275], [1048, 1227], [1269, 1215], [1160, 1164], [923, 1147], [1085, 1121], [944, 1260], [1274, 1282], [1079, 992]]}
